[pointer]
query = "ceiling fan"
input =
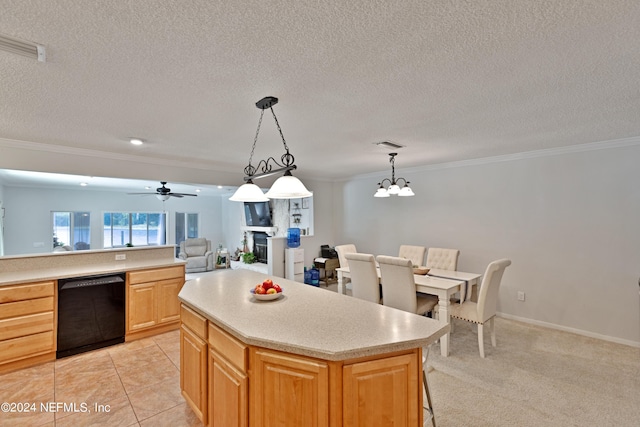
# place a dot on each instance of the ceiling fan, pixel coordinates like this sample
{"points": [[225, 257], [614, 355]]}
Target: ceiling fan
{"points": [[163, 193]]}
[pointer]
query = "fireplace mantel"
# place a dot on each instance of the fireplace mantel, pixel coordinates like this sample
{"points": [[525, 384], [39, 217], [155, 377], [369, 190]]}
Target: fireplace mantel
{"points": [[271, 231]]}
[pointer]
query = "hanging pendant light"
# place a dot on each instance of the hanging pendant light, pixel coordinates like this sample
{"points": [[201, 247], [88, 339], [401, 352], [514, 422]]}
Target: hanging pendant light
{"points": [[393, 189], [285, 187]]}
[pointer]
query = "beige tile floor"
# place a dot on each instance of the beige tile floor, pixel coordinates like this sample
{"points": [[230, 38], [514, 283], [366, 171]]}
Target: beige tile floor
{"points": [[136, 384]]}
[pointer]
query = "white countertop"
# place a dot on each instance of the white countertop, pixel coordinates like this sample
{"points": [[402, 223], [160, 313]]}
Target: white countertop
{"points": [[53, 273], [306, 320]]}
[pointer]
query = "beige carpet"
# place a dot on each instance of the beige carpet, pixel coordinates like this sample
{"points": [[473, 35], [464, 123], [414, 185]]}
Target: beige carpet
{"points": [[534, 377]]}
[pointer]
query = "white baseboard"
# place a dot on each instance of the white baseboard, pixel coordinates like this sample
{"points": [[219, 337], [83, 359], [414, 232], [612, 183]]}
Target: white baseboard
{"points": [[572, 330]]}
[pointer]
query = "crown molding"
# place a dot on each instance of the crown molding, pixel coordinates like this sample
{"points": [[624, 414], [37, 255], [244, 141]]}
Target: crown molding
{"points": [[547, 152]]}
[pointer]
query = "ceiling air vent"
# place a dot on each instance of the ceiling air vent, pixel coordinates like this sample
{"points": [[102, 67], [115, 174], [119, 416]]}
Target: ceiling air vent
{"points": [[21, 47], [390, 145]]}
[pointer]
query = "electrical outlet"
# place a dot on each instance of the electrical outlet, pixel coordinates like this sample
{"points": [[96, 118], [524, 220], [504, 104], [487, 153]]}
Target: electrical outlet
{"points": [[120, 257], [520, 296]]}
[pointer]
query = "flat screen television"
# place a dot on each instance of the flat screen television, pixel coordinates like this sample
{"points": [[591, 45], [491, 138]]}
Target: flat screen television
{"points": [[257, 214]]}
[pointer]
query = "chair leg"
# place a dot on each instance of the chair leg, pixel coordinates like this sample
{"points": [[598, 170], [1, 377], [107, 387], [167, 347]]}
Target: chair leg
{"points": [[425, 384], [481, 339], [493, 332]]}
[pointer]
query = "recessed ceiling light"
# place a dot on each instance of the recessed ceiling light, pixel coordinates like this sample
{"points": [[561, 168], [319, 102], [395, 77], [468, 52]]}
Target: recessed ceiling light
{"points": [[388, 144], [147, 188], [220, 187], [136, 141], [197, 190], [83, 184]]}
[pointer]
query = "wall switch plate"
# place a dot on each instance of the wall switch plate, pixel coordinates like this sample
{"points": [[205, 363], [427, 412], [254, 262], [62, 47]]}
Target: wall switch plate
{"points": [[120, 257], [520, 296]]}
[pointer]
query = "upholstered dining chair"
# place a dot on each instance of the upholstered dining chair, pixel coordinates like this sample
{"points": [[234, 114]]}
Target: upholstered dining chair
{"points": [[443, 259], [345, 249], [364, 277], [485, 309], [414, 253], [399, 291]]}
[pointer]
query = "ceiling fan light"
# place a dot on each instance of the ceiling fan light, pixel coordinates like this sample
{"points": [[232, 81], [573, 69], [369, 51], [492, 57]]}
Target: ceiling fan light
{"points": [[406, 192], [288, 187], [163, 197], [249, 192]]}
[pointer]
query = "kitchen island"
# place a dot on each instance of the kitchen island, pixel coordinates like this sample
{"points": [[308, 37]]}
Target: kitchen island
{"points": [[311, 357]]}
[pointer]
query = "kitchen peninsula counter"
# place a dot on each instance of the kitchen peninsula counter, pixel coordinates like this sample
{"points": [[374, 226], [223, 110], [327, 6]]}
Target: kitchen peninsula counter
{"points": [[40, 267], [319, 357]]}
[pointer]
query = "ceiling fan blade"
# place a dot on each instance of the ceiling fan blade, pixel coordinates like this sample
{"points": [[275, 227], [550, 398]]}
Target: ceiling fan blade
{"points": [[183, 194], [175, 195], [142, 194]]}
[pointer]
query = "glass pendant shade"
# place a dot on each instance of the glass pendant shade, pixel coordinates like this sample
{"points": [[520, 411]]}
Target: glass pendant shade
{"points": [[393, 189], [381, 193], [163, 197], [406, 192], [288, 187], [249, 192]]}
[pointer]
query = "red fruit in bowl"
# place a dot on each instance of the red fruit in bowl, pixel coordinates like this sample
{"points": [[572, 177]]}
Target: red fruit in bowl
{"points": [[272, 291], [277, 287], [267, 284], [260, 290]]}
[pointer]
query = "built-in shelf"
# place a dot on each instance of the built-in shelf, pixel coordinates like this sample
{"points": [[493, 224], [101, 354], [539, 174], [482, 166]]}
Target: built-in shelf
{"points": [[271, 231]]}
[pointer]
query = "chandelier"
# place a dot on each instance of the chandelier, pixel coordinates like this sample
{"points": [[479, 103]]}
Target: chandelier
{"points": [[285, 187], [394, 188]]}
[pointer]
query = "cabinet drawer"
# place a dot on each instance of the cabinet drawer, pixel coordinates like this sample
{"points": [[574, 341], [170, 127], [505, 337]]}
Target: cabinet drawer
{"points": [[21, 308], [26, 325], [229, 347], [24, 292], [156, 274], [31, 345], [193, 321]]}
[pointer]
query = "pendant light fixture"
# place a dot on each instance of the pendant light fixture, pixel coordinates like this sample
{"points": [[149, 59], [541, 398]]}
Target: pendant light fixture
{"points": [[285, 187], [394, 188]]}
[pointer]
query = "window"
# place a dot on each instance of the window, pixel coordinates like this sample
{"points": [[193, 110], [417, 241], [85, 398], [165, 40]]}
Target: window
{"points": [[72, 229], [134, 229], [186, 227]]}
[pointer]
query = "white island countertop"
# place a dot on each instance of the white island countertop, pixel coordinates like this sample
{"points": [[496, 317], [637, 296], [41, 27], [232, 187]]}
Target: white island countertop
{"points": [[306, 320]]}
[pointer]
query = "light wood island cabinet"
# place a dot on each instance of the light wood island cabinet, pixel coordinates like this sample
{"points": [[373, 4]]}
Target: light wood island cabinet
{"points": [[294, 362]]}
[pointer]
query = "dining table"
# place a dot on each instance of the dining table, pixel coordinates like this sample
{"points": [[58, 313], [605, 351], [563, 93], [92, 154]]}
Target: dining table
{"points": [[442, 283]]}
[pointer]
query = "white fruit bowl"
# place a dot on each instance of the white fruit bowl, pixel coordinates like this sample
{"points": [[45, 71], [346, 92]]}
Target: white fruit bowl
{"points": [[265, 297]]}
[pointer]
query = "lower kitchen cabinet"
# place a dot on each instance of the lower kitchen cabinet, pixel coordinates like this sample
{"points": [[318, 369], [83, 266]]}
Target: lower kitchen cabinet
{"points": [[228, 393], [27, 324], [152, 300], [193, 371], [288, 389], [391, 383]]}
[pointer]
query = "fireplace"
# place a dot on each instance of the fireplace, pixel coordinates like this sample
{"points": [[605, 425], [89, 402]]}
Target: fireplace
{"points": [[260, 246]]}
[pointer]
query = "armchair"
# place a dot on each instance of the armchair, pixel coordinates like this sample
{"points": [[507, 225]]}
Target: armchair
{"points": [[197, 252]]}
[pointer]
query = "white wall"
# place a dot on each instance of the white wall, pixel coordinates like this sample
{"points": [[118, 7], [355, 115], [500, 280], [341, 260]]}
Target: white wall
{"points": [[568, 220], [28, 214]]}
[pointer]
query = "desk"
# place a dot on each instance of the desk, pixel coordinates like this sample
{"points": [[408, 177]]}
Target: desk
{"points": [[329, 266], [426, 284]]}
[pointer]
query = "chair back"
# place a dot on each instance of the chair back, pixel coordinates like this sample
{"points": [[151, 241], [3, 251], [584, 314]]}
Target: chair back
{"points": [[398, 284], [364, 277], [488, 295], [443, 259], [414, 253], [197, 246], [345, 249]]}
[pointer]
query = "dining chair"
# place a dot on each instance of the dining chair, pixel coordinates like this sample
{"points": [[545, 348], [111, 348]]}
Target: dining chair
{"points": [[485, 309], [399, 291], [345, 249], [414, 253], [364, 277], [443, 259]]}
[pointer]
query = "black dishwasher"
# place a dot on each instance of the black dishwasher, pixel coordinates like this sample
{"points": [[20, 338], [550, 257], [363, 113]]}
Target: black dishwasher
{"points": [[91, 313]]}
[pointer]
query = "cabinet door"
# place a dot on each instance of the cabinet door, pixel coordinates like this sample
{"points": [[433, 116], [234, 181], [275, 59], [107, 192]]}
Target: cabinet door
{"points": [[384, 392], [142, 306], [288, 390], [193, 372], [168, 302], [228, 394]]}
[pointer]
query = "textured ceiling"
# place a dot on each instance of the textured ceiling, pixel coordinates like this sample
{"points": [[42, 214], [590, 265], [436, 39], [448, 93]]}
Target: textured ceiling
{"points": [[451, 80]]}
